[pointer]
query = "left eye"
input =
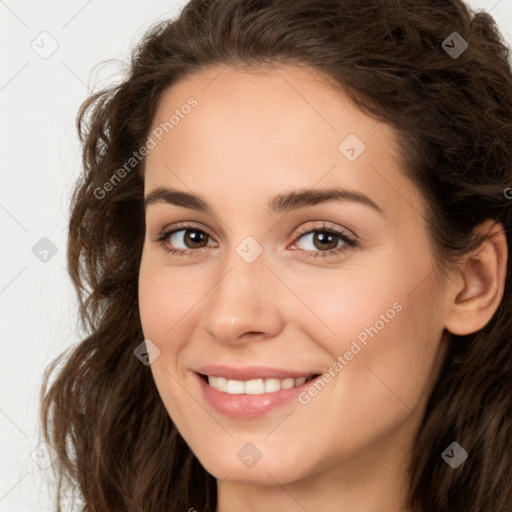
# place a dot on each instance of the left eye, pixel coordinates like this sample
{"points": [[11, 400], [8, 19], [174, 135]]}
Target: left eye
{"points": [[322, 240]]}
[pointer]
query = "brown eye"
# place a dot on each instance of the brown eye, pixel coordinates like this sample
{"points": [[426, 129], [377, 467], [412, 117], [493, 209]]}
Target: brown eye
{"points": [[323, 242], [192, 238]]}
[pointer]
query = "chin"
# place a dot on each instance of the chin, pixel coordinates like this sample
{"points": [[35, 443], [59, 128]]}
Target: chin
{"points": [[231, 466]]}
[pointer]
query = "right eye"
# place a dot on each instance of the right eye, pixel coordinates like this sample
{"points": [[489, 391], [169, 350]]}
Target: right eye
{"points": [[192, 238]]}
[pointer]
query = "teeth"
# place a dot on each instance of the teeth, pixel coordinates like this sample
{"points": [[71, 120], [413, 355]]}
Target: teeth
{"points": [[254, 386], [299, 381], [272, 385], [287, 383], [235, 387]]}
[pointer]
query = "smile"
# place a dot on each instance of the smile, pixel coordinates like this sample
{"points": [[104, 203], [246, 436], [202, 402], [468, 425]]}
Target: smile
{"points": [[251, 392], [257, 386]]}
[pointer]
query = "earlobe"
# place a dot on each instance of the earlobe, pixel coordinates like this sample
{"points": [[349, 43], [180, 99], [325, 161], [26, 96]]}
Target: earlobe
{"points": [[483, 273]]}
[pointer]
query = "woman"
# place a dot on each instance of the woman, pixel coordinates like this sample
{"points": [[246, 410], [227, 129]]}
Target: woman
{"points": [[290, 243]]}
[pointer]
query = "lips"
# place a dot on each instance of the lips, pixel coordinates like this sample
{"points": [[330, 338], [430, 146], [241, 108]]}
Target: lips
{"points": [[244, 399], [251, 391]]}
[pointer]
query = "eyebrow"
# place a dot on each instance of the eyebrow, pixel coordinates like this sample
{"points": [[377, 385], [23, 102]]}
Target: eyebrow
{"points": [[285, 202]]}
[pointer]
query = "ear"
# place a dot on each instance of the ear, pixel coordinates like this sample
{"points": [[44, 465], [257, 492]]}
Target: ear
{"points": [[480, 283]]}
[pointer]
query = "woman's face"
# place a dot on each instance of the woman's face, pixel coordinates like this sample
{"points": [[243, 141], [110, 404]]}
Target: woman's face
{"points": [[284, 279]]}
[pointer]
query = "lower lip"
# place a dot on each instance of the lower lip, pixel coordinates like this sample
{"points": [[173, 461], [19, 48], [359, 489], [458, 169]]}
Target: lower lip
{"points": [[248, 406]]}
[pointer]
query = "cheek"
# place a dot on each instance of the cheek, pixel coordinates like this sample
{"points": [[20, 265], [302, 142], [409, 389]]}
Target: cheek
{"points": [[152, 302], [163, 311], [386, 296], [349, 303], [384, 326], [166, 295]]}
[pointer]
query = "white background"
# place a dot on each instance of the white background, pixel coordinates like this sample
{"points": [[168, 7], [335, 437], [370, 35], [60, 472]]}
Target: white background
{"points": [[40, 159]]}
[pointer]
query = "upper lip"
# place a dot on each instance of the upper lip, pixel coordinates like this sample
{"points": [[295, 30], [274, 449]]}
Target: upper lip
{"points": [[251, 372]]}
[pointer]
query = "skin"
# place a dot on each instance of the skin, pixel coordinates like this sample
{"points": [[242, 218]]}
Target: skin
{"points": [[252, 136]]}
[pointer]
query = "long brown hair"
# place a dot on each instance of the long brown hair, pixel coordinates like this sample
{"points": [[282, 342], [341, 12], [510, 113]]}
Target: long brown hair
{"points": [[102, 413]]}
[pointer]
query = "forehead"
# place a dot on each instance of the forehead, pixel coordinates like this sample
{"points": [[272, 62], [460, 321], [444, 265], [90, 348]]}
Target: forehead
{"points": [[271, 128]]}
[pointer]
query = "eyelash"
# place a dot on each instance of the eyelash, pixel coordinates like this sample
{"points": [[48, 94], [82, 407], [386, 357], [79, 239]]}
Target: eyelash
{"points": [[348, 241]]}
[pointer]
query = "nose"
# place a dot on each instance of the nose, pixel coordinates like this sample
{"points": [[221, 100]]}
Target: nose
{"points": [[244, 303]]}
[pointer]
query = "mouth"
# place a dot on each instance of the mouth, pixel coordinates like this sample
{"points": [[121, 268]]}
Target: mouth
{"points": [[252, 392], [256, 386]]}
